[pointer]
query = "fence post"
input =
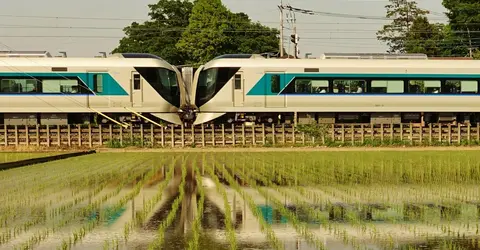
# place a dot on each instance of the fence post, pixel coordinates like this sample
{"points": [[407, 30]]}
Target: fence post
{"points": [[37, 134], [273, 134], [440, 132], [372, 132], [234, 143], [173, 135], [459, 135], [141, 134], [27, 140], [183, 135], [193, 135], [392, 136], [243, 134], [469, 133], [353, 134], [203, 135], [411, 133], [48, 136], [68, 135], [253, 135], [152, 135], [401, 132], [363, 133], [421, 134], [100, 135], [343, 133], [58, 136], [430, 131], [284, 139], [110, 131], [90, 135], [381, 133], [16, 135], [121, 136], [214, 140], [294, 135], [223, 134], [162, 134], [449, 134]]}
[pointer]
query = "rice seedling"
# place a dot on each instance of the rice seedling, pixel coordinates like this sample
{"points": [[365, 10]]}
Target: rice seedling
{"points": [[388, 199]]}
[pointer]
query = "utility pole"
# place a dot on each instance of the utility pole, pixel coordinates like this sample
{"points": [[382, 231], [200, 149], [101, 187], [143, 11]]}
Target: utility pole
{"points": [[470, 49], [281, 28]]}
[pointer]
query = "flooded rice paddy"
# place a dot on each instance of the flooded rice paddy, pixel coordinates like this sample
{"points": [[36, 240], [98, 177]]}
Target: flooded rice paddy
{"points": [[268, 200]]}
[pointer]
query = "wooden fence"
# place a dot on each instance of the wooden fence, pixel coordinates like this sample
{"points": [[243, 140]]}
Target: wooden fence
{"points": [[229, 135]]}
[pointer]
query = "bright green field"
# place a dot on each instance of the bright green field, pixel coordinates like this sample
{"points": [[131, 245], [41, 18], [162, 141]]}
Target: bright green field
{"points": [[390, 200], [10, 157]]}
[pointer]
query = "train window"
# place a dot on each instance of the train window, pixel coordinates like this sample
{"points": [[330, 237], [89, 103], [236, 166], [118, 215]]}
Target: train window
{"points": [[348, 86], [238, 81], [457, 86], [319, 86], [420, 87], [383, 86], [61, 86], [136, 82], [470, 87], [19, 85], [98, 83], [303, 86], [275, 81]]}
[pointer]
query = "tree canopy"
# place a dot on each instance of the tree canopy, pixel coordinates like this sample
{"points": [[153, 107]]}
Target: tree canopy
{"points": [[183, 32], [412, 32], [404, 13]]}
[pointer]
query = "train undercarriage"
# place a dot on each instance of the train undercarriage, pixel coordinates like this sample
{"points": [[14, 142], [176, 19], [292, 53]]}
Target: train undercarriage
{"points": [[423, 118]]}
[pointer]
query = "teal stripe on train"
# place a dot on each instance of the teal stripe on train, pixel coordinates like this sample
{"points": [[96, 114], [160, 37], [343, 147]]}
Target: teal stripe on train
{"points": [[110, 85], [264, 85]]}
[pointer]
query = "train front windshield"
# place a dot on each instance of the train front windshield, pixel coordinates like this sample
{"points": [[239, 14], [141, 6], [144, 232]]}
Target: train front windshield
{"points": [[164, 81], [210, 81]]}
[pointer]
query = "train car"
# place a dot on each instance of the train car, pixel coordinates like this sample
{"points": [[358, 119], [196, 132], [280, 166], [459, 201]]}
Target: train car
{"points": [[57, 91], [250, 88]]}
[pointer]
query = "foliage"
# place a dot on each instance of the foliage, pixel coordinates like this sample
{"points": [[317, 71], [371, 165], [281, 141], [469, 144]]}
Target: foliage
{"points": [[425, 37], [403, 13], [464, 17], [205, 36], [159, 35], [182, 32]]}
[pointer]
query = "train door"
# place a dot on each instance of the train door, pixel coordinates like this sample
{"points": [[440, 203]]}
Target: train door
{"points": [[238, 90], [275, 82], [137, 89]]}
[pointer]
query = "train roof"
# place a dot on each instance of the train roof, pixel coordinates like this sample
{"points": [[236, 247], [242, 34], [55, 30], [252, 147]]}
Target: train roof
{"points": [[342, 63], [115, 60]]}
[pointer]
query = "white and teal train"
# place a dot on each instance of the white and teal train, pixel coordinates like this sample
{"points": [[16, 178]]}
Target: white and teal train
{"points": [[49, 90], [240, 88]]}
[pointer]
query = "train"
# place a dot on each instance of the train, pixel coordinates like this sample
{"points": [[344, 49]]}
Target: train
{"points": [[254, 89], [122, 88]]}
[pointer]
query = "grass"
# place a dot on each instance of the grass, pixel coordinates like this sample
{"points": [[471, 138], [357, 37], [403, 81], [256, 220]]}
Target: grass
{"points": [[11, 157], [387, 199]]}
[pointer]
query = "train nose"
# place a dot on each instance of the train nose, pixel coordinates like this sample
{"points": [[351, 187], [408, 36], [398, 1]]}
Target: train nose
{"points": [[188, 114]]}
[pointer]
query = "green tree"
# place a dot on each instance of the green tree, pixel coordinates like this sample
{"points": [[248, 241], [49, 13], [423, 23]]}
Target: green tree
{"points": [[425, 37], [252, 37], [403, 13], [205, 36], [214, 30], [159, 36], [464, 17]]}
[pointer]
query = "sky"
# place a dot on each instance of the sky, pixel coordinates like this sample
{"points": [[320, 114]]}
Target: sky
{"points": [[87, 27]]}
